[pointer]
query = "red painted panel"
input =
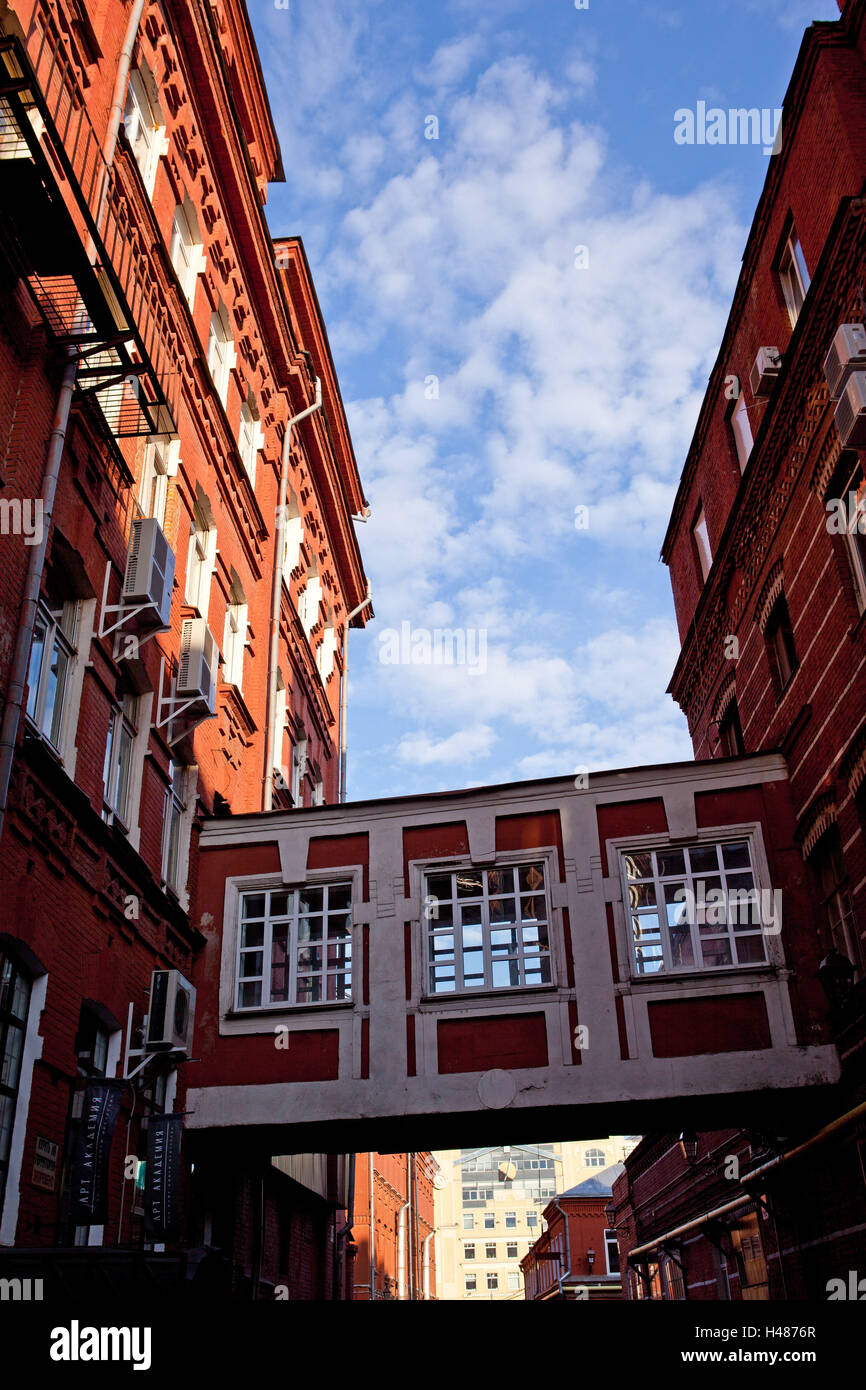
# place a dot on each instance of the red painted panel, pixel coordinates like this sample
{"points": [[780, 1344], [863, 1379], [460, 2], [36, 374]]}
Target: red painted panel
{"points": [[695, 1027], [365, 963], [365, 1048], [629, 818], [407, 955], [621, 1028], [312, 1055], [729, 807], [216, 865], [336, 851], [510, 1041], [530, 832], [410, 1044], [611, 942], [569, 954], [433, 842]]}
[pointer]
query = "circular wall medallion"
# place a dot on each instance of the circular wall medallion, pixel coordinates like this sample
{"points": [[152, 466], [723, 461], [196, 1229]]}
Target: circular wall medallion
{"points": [[496, 1089]]}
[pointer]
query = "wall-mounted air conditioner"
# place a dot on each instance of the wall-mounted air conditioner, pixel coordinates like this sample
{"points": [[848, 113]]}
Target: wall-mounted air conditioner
{"points": [[149, 574], [765, 371], [847, 355], [851, 412], [199, 658], [172, 1012]]}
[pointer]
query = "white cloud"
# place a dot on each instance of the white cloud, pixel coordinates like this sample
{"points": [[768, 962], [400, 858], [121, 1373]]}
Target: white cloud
{"points": [[462, 746]]}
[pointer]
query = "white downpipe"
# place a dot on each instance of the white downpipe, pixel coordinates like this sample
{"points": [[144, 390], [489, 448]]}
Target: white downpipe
{"points": [[401, 1250], [344, 693], [565, 1273], [276, 596], [427, 1240]]}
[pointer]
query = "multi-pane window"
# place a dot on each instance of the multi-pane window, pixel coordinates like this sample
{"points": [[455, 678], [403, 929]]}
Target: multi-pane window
{"points": [[490, 1250], [295, 946], [487, 928], [731, 731], [235, 638], [186, 250], [489, 1221], [779, 636], [318, 792], [493, 1281], [835, 888], [200, 561], [118, 759], [511, 1220], [742, 431], [471, 1283], [468, 1220], [469, 1252], [221, 355], [511, 1251], [749, 1255], [51, 658], [793, 276], [172, 828], [514, 1279], [14, 1003], [91, 1045], [325, 653], [299, 769], [611, 1252], [694, 908], [673, 1285], [594, 1158], [250, 440], [701, 536], [145, 130], [154, 481], [532, 1218], [309, 600]]}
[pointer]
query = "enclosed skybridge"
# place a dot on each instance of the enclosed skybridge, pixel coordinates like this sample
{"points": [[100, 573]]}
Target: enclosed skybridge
{"points": [[635, 950]]}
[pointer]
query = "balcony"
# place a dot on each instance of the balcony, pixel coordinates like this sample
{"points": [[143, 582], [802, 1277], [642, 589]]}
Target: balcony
{"points": [[71, 236]]}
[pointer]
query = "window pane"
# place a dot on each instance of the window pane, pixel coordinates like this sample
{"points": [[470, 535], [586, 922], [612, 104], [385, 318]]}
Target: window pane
{"points": [[253, 934], [254, 905], [736, 855], [439, 886], [279, 905], [280, 963], [309, 928], [250, 995], [470, 883], [638, 865], [339, 896], [309, 989], [703, 859], [671, 861]]}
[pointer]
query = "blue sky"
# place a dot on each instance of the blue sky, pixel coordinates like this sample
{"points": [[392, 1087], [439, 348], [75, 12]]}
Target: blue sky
{"points": [[564, 378]]}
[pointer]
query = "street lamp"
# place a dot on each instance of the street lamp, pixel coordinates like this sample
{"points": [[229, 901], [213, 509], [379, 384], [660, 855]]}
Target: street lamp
{"points": [[689, 1146], [836, 974]]}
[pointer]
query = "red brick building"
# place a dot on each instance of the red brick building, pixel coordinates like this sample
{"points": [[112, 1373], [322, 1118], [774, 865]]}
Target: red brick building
{"points": [[393, 1226], [577, 1257], [179, 568], [770, 593]]}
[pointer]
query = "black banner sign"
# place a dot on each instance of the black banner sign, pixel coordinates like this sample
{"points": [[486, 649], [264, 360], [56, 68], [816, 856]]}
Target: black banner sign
{"points": [[161, 1175], [88, 1188]]}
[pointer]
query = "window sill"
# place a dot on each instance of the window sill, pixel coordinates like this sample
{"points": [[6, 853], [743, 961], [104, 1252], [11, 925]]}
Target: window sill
{"points": [[429, 1003], [720, 972], [296, 1010]]}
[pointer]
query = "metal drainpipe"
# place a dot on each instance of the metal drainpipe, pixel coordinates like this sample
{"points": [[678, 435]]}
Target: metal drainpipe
{"points": [[427, 1240], [276, 595], [344, 694], [416, 1248], [372, 1244], [566, 1272], [401, 1251], [57, 438], [340, 1264]]}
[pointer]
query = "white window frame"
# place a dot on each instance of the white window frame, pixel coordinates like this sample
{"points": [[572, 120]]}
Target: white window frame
{"points": [[594, 1158], [299, 770], [178, 811], [611, 1242], [701, 534], [431, 903], [221, 354], [234, 643], [293, 537], [161, 462], [186, 250], [741, 428], [200, 562], [325, 653], [117, 773], [251, 438], [279, 730], [752, 834], [293, 918], [145, 128], [793, 276], [62, 633]]}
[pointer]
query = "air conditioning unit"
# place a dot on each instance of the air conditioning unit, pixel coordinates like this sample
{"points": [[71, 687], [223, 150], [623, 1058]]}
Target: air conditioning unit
{"points": [[765, 371], [199, 658], [847, 355], [851, 412], [172, 1012], [149, 573]]}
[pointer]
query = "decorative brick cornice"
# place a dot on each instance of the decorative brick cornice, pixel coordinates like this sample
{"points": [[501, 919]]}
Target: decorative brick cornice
{"points": [[772, 590], [815, 820]]}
